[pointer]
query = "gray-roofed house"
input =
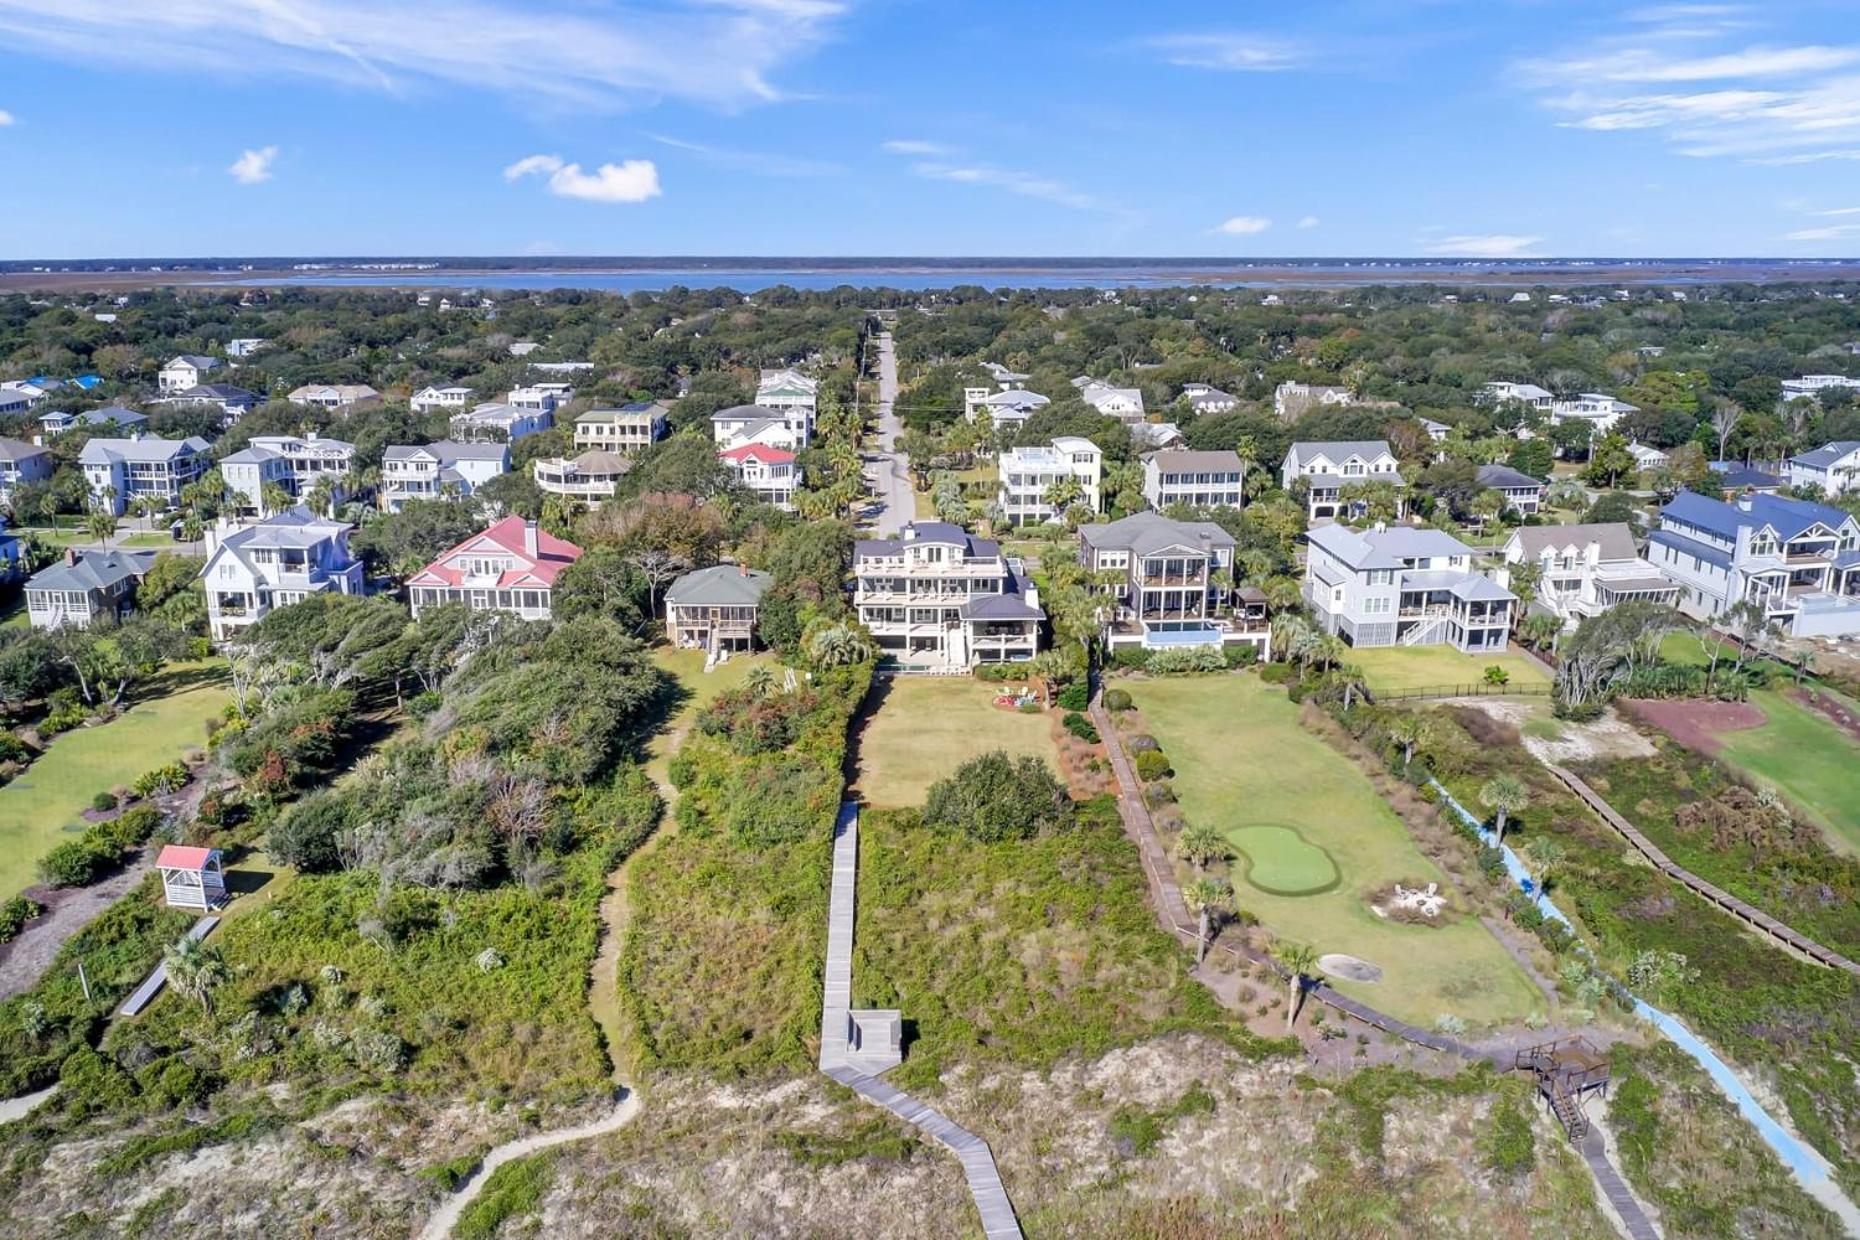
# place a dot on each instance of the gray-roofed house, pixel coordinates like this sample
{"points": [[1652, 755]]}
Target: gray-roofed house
{"points": [[593, 476], [21, 462], [744, 424], [1008, 407], [715, 608], [111, 417], [1403, 586], [1327, 468], [1174, 587], [186, 371], [1206, 398], [142, 466], [1585, 569], [254, 568], [939, 597], [1834, 467], [1522, 493], [632, 428], [1196, 479], [232, 401], [434, 470], [1123, 403], [1738, 476], [85, 585], [1799, 561]]}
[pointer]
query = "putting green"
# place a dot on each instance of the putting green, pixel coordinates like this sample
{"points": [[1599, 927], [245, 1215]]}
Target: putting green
{"points": [[1281, 862]]}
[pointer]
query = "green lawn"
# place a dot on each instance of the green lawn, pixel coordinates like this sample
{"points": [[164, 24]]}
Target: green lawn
{"points": [[75, 535], [1392, 669], [701, 686], [1242, 760], [46, 800], [1281, 861], [927, 726], [1810, 760]]}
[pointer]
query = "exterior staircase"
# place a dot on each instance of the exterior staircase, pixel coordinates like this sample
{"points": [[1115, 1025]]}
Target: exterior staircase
{"points": [[1425, 631]]}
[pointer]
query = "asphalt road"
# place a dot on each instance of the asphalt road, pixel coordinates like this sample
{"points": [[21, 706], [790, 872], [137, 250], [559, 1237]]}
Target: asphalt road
{"points": [[887, 469]]}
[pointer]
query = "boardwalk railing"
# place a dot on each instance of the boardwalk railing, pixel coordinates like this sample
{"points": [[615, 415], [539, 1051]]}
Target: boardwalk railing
{"points": [[1717, 895], [1481, 689]]}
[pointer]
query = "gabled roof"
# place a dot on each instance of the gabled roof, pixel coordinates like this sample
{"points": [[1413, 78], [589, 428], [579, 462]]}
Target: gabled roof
{"points": [[1346, 545], [196, 360], [762, 452], [1224, 460], [1504, 476], [1146, 533], [1827, 454], [99, 417], [1613, 539], [1337, 451], [506, 537], [1788, 517], [182, 857], [1411, 543], [147, 448], [19, 450], [925, 533], [93, 570], [747, 413], [719, 586], [446, 450]]}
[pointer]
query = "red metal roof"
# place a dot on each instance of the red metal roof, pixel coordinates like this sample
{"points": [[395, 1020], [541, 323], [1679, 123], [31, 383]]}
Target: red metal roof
{"points": [[181, 857], [758, 452], [552, 556]]}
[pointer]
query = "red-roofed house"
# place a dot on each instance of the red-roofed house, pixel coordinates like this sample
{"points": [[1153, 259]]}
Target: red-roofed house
{"points": [[512, 566], [191, 877], [768, 471]]}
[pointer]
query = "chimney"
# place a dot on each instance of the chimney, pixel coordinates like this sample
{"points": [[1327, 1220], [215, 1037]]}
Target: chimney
{"points": [[529, 540], [71, 555]]}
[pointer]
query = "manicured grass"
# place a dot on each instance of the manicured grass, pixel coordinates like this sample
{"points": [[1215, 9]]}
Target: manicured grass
{"points": [[47, 799], [1393, 669], [13, 612], [700, 687], [1809, 760], [927, 726], [1280, 861], [1242, 759], [75, 535]]}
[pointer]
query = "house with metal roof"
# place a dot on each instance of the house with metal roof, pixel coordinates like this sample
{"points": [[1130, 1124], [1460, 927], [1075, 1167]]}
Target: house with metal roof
{"points": [[1328, 467], [253, 568], [1193, 479], [1834, 467], [1799, 561], [85, 585], [1522, 493], [186, 371], [1404, 586], [1175, 584], [778, 428], [431, 471], [1007, 407], [121, 471], [937, 596], [111, 417], [1584, 570], [21, 462], [715, 608]]}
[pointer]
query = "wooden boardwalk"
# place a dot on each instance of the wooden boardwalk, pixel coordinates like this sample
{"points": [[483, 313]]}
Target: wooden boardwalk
{"points": [[1755, 917], [978, 1161], [151, 985]]}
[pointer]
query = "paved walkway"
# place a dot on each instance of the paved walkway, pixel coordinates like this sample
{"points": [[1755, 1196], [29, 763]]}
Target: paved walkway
{"points": [[978, 1163], [1755, 917]]}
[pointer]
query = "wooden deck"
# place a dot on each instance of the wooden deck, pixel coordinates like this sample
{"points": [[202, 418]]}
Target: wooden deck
{"points": [[978, 1161], [1754, 917]]}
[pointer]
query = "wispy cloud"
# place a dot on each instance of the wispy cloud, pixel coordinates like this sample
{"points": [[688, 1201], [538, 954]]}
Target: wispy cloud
{"points": [[1309, 221], [1243, 225], [1485, 245], [915, 146], [1758, 101], [1829, 232], [7, 118], [253, 167], [635, 180], [716, 52], [1230, 51], [767, 163], [1014, 181]]}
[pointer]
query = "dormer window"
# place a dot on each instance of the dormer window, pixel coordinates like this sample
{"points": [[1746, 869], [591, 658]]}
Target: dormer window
{"points": [[1763, 542]]}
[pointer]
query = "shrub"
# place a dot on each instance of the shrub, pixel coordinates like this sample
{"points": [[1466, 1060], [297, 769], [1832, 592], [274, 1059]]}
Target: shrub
{"points": [[1001, 671], [15, 913], [307, 834], [1278, 673], [1245, 654], [1153, 764], [77, 862], [1075, 696], [1510, 1146], [1081, 727], [1117, 700], [12, 749], [1030, 708], [1131, 658], [994, 797], [160, 781], [104, 802], [1182, 660], [130, 829]]}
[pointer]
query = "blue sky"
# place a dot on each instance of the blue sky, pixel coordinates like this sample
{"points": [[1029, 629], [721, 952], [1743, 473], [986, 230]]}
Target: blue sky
{"points": [[938, 127]]}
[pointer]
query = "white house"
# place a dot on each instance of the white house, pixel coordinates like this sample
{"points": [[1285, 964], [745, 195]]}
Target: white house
{"points": [[1026, 475], [233, 402], [1600, 410], [452, 399], [630, 429], [1008, 407], [293, 462], [1522, 493], [186, 371], [1812, 386], [1505, 392], [142, 466], [1329, 467], [1799, 561], [435, 470], [1175, 586], [591, 477], [941, 597], [244, 346], [792, 393], [1197, 479], [499, 422], [254, 568], [21, 462], [334, 395], [509, 566], [1646, 457], [112, 417], [769, 471], [1403, 586], [1585, 569], [540, 397], [1205, 398], [788, 428], [1122, 403], [1005, 378], [1834, 467]]}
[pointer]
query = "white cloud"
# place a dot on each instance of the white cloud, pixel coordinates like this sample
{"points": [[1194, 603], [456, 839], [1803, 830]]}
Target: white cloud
{"points": [[1243, 225], [1640, 64], [253, 167], [1232, 52], [6, 118], [716, 52], [1485, 245], [1832, 232], [1026, 184], [1310, 221], [914, 146], [635, 180]]}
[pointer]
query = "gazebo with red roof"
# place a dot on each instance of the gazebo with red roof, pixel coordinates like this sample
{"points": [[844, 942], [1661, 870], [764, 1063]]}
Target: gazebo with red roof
{"points": [[191, 877]]}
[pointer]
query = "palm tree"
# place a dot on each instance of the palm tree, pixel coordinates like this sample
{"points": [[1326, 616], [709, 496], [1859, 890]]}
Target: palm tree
{"points": [[1504, 795], [1201, 844], [1298, 959], [272, 498], [195, 969], [101, 520], [1409, 729], [322, 496], [1288, 630], [1213, 900], [837, 645], [1052, 667], [760, 681], [1063, 493], [1804, 664], [1546, 857], [1247, 449]]}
